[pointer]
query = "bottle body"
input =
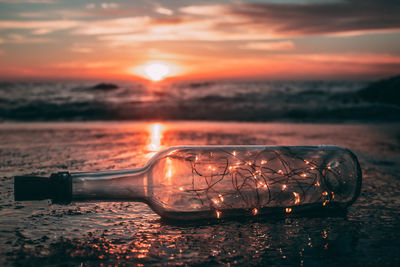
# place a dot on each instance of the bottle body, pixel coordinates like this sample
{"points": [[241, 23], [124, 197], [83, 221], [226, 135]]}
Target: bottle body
{"points": [[200, 182]]}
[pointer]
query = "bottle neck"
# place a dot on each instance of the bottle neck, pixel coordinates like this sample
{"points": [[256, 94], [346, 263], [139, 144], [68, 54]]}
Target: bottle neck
{"points": [[128, 185]]}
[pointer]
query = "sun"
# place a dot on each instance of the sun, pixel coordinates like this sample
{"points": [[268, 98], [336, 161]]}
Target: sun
{"points": [[156, 70]]}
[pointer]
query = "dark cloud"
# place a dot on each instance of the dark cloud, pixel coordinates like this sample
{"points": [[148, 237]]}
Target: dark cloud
{"points": [[320, 18]]}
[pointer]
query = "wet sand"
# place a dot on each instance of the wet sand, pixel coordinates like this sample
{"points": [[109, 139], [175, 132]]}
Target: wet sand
{"points": [[37, 233]]}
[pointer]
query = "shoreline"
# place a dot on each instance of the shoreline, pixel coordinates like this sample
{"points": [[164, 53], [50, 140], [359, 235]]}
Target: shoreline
{"points": [[121, 123]]}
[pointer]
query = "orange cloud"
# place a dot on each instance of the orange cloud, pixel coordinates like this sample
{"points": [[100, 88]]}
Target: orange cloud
{"points": [[269, 46]]}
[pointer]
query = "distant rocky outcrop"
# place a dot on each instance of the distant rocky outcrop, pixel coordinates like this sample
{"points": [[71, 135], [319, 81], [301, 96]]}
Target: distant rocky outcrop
{"points": [[384, 91], [104, 87]]}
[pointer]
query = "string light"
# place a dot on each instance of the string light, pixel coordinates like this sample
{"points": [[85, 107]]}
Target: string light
{"points": [[296, 198], [240, 177], [254, 211], [219, 213]]}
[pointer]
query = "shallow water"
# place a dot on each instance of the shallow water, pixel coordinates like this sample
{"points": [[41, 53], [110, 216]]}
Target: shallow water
{"points": [[37, 233]]}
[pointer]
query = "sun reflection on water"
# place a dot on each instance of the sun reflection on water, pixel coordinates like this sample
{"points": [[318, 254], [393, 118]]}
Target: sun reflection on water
{"points": [[156, 131]]}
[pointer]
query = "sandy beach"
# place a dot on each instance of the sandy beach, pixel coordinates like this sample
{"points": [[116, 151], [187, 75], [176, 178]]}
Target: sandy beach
{"points": [[36, 233]]}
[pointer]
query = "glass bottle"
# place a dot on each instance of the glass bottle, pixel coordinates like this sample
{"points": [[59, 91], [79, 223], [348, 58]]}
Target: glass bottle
{"points": [[202, 182]]}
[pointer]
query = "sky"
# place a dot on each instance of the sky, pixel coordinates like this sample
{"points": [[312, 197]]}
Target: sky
{"points": [[200, 40]]}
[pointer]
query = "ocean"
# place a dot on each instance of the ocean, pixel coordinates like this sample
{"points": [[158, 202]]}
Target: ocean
{"points": [[306, 101]]}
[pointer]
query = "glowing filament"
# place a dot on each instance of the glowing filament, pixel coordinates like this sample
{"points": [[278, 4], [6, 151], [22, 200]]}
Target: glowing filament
{"points": [[254, 211], [296, 198], [284, 187], [317, 184], [325, 193], [221, 198], [312, 168], [303, 175], [248, 163], [306, 161], [288, 210], [234, 153], [280, 172], [219, 213], [181, 188], [263, 162]]}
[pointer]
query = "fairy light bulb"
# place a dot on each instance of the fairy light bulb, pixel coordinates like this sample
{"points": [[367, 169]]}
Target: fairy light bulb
{"points": [[296, 198], [254, 211], [218, 213], [202, 182]]}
